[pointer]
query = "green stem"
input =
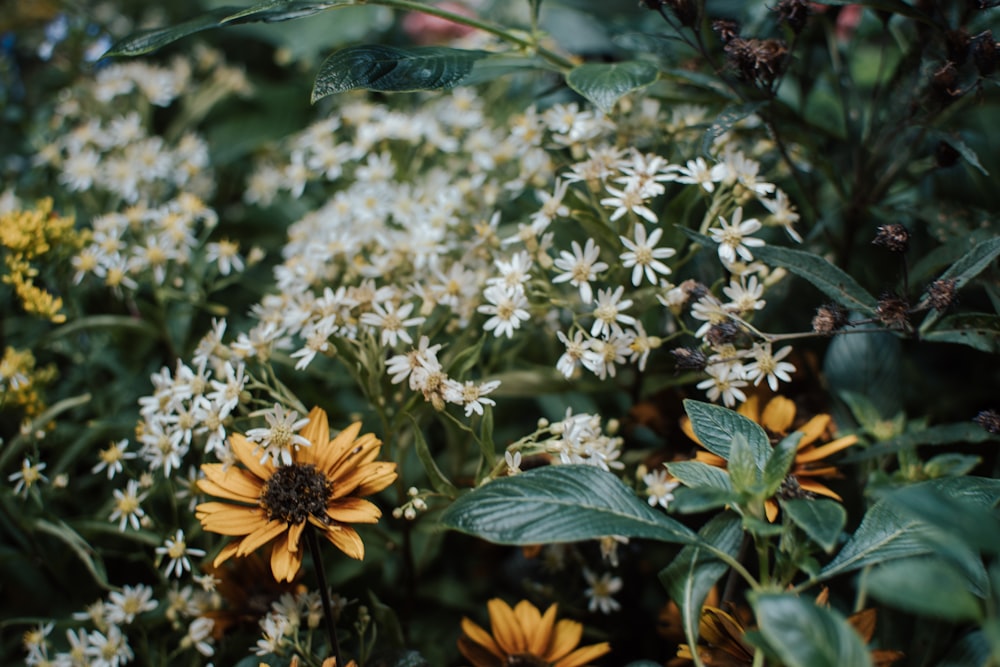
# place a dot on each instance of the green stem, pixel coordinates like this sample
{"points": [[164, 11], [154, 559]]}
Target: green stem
{"points": [[324, 593], [733, 563], [506, 35]]}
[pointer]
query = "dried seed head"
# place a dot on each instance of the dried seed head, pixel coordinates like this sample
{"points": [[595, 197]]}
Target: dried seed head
{"points": [[985, 53], [722, 333], [294, 493], [893, 237], [941, 294], [726, 29], [892, 311], [790, 489], [829, 318], [794, 13], [944, 83], [689, 358], [686, 11], [756, 60], [989, 420]]}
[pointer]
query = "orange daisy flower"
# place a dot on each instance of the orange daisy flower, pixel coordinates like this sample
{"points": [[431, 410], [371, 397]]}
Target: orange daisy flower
{"points": [[810, 464], [525, 637], [323, 487]]}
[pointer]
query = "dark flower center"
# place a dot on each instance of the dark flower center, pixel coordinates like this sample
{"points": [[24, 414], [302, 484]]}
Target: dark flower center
{"points": [[295, 492], [525, 660]]}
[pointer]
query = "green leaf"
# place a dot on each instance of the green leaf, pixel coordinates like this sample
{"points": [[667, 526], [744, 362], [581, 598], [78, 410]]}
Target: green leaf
{"points": [[864, 411], [977, 330], [869, 364], [925, 587], [725, 121], [805, 635], [439, 481], [606, 83], [79, 546], [827, 278], [393, 69], [972, 522], [692, 501], [890, 530], [716, 426], [965, 268], [971, 649], [951, 465], [147, 41], [742, 468], [559, 503], [691, 575], [942, 434], [696, 474], [822, 519], [282, 10], [963, 149], [780, 462]]}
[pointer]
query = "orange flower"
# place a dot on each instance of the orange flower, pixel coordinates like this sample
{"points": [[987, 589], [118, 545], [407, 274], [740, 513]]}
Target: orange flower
{"points": [[809, 466], [526, 637], [323, 487]]}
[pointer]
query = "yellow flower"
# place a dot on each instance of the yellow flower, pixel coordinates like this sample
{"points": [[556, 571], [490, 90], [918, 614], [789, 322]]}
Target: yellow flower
{"points": [[809, 466], [323, 487], [525, 637]]}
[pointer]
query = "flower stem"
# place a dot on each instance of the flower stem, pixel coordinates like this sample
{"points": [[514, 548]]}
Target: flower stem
{"points": [[324, 593]]}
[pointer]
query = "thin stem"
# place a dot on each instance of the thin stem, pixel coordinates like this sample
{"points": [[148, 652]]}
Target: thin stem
{"points": [[331, 629], [733, 563], [506, 35]]}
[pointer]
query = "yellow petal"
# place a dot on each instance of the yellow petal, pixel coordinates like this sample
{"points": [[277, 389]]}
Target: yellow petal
{"points": [[329, 455], [830, 448], [227, 519], [815, 487], [688, 429], [261, 536], [506, 629], [565, 639], [245, 452], [285, 563], [771, 509], [366, 480], [346, 539], [813, 429], [584, 656], [353, 510], [231, 483], [750, 408], [476, 634], [227, 552], [779, 413], [294, 534], [317, 432], [540, 632]]}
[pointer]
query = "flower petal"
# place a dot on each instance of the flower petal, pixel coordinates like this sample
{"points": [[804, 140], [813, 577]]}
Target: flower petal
{"points": [[231, 483], [285, 563], [245, 452], [261, 536], [506, 629], [584, 656], [540, 632], [813, 429], [317, 431], [480, 638], [815, 487], [779, 413], [227, 552], [344, 538], [820, 453], [328, 455], [353, 510], [294, 534], [227, 519], [565, 639]]}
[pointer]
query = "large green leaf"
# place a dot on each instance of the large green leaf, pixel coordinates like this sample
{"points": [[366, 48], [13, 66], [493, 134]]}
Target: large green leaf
{"points": [[716, 426], [941, 434], [805, 635], [561, 503], [393, 69], [780, 462], [869, 364], [971, 521], [827, 278], [696, 474], [691, 575], [978, 330], [606, 83], [821, 519], [926, 587], [889, 530]]}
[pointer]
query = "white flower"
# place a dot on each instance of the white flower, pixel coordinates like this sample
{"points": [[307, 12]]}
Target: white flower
{"points": [[697, 172], [571, 358], [127, 509], [513, 461], [109, 649], [724, 380], [600, 592], [177, 551], [782, 214], [128, 603], [659, 487], [469, 394], [227, 394], [602, 354], [552, 207], [744, 295], [415, 364], [709, 310], [393, 322], [732, 237], [199, 635], [112, 457], [281, 436], [770, 366], [643, 255], [29, 475], [507, 306], [607, 313], [629, 199], [580, 267]]}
